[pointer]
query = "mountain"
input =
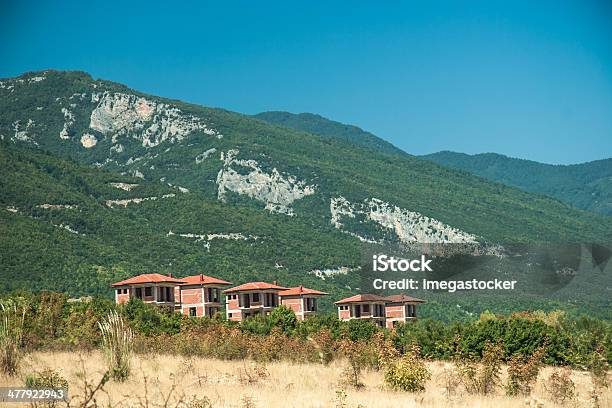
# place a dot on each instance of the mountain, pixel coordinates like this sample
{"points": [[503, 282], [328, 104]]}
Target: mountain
{"points": [[587, 185], [318, 125], [75, 228], [100, 182]]}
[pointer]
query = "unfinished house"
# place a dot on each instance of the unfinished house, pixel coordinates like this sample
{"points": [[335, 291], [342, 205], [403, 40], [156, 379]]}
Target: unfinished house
{"points": [[199, 295], [303, 301], [150, 288], [400, 309], [366, 306], [250, 299]]}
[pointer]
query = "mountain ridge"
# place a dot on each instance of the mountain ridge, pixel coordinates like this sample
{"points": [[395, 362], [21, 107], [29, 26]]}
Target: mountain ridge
{"points": [[585, 185], [228, 193], [511, 173]]}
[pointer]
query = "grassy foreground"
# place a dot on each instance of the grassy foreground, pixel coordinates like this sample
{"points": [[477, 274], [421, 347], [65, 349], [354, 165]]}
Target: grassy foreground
{"points": [[172, 381]]}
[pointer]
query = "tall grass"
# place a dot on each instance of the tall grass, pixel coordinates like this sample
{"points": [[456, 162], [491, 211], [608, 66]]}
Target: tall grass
{"points": [[12, 320], [117, 345]]}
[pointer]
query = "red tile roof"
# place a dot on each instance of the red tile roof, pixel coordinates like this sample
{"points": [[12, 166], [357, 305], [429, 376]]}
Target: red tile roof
{"points": [[402, 298], [203, 280], [254, 286], [301, 290], [148, 278], [363, 298]]}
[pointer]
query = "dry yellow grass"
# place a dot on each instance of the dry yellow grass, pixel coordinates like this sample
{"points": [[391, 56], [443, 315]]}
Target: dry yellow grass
{"points": [[158, 378]]}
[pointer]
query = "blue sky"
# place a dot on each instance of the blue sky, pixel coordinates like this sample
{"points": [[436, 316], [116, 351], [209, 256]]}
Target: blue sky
{"points": [[526, 79]]}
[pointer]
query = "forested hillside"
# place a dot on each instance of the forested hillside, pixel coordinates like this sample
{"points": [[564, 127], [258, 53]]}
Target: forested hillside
{"points": [[587, 185], [101, 182]]}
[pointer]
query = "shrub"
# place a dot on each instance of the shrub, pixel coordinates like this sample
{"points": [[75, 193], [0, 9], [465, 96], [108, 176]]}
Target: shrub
{"points": [[598, 368], [560, 387], [203, 402], [357, 361], [409, 373], [483, 377], [523, 372], [117, 345], [46, 379], [11, 334], [283, 318], [324, 346], [387, 353]]}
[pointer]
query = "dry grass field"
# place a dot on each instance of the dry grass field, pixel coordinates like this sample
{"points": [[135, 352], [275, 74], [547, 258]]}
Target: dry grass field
{"points": [[171, 381]]}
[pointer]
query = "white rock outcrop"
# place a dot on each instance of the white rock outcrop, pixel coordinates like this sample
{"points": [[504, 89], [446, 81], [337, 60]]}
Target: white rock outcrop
{"points": [[68, 122], [409, 226], [277, 191], [203, 156], [22, 133], [138, 200], [124, 186], [152, 123], [330, 272], [57, 206], [88, 141], [234, 236]]}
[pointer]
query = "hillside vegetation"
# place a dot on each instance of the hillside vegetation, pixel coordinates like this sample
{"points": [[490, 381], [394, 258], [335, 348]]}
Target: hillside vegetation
{"points": [[587, 185], [101, 182]]}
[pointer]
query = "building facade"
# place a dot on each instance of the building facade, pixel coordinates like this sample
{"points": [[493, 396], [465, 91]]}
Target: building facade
{"points": [[384, 311], [250, 299], [400, 309], [200, 295], [150, 288], [303, 301], [365, 306]]}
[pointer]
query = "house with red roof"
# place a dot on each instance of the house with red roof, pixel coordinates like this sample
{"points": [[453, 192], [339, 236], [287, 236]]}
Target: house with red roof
{"points": [[384, 311], [199, 295], [303, 301], [150, 288], [250, 299], [363, 306], [400, 309]]}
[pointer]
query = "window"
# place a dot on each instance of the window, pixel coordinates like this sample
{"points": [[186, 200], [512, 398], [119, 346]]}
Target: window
{"points": [[229, 315], [139, 293], [310, 304], [411, 310], [366, 308], [255, 297], [148, 291], [244, 301], [379, 310], [193, 312]]}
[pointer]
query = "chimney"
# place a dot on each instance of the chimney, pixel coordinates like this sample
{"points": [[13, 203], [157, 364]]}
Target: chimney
{"points": [[201, 278], [169, 274], [275, 282]]}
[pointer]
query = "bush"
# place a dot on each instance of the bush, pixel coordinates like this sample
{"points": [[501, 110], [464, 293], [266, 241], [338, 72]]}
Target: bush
{"points": [[47, 379], [11, 334], [284, 318], [482, 378], [117, 345], [357, 361], [409, 373], [324, 345], [523, 372], [560, 387]]}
